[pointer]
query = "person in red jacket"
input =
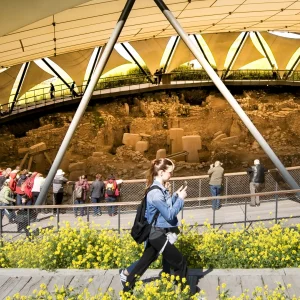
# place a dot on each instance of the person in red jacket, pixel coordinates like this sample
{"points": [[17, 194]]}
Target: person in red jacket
{"points": [[111, 194], [20, 192], [13, 181]]}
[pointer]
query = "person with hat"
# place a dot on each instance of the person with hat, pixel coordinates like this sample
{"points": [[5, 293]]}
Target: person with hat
{"points": [[257, 181], [58, 187], [163, 209], [6, 199], [216, 173]]}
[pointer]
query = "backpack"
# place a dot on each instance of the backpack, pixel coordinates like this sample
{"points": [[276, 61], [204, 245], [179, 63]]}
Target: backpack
{"points": [[27, 185], [78, 192], [141, 228], [111, 188]]}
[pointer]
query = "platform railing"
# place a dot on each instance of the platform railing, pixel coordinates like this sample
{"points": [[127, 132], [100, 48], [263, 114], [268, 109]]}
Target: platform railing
{"points": [[41, 97]]}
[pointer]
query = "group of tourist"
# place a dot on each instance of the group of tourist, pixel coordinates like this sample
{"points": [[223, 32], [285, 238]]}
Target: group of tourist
{"points": [[22, 188], [257, 182], [98, 190]]}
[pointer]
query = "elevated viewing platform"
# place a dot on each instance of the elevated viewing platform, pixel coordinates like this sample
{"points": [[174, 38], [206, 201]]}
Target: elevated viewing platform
{"points": [[39, 100]]}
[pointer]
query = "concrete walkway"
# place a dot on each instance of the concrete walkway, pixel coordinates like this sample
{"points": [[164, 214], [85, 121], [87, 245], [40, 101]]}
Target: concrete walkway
{"points": [[25, 281]]}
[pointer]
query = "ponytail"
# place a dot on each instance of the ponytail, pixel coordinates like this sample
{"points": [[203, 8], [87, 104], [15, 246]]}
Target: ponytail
{"points": [[157, 165]]}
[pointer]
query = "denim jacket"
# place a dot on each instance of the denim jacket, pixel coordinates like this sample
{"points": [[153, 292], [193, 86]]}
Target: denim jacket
{"points": [[168, 206]]}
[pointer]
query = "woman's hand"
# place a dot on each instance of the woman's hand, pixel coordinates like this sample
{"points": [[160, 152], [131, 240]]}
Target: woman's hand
{"points": [[181, 192]]}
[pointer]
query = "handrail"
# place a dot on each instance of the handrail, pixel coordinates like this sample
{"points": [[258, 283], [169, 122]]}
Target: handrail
{"points": [[138, 202]]}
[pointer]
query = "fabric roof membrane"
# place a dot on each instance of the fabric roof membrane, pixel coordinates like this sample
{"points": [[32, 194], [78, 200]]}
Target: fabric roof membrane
{"points": [[247, 54], [7, 80], [34, 76], [181, 55], [151, 51], [74, 63], [83, 23], [30, 11], [279, 46], [219, 45]]}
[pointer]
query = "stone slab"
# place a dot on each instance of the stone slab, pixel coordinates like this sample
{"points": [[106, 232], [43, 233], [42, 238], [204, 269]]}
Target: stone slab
{"points": [[250, 282], [233, 284], [192, 144], [37, 148], [130, 139], [176, 135], [161, 153], [237, 280], [142, 146]]}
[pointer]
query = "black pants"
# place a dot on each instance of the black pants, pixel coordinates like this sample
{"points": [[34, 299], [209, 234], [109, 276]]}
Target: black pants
{"points": [[58, 198], [35, 196], [171, 254]]}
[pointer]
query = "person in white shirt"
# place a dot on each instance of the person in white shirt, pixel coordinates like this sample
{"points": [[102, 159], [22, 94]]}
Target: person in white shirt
{"points": [[37, 184]]}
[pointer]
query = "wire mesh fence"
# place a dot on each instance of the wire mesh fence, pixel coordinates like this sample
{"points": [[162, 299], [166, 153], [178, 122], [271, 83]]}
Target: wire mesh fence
{"points": [[17, 222], [276, 204]]}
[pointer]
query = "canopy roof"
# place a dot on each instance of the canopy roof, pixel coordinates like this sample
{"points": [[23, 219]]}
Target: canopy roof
{"points": [[33, 29]]}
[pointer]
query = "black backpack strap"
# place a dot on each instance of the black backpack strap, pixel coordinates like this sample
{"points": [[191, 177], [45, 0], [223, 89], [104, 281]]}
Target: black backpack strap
{"points": [[154, 187]]}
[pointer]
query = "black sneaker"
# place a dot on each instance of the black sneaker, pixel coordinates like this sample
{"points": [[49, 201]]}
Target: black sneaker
{"points": [[123, 278]]}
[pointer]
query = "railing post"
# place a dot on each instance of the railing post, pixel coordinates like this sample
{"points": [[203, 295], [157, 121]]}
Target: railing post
{"points": [[214, 217], [276, 205], [88, 214], [245, 219], [57, 218], [226, 188], [200, 190], [28, 216], [1, 216], [119, 219]]}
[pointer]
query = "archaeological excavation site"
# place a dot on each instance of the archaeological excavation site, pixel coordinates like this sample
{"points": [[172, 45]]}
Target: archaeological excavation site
{"points": [[193, 127]]}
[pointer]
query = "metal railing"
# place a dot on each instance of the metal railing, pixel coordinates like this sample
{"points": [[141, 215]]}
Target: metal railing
{"points": [[41, 97], [275, 199], [20, 218]]}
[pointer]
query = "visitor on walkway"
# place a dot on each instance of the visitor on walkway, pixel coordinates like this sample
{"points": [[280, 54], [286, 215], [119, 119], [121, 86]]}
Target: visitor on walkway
{"points": [[58, 188], [111, 194], [19, 189], [160, 72], [156, 76], [97, 193], [37, 185], [81, 189], [166, 222], [6, 199], [216, 173], [3, 177], [257, 181], [72, 89], [52, 91]]}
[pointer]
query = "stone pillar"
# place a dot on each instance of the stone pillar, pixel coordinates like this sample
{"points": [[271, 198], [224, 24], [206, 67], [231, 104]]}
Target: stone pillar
{"points": [[142, 146], [126, 107], [130, 139], [192, 144], [176, 135], [161, 153]]}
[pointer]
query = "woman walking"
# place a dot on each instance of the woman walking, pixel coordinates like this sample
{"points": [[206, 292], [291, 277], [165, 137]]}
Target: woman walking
{"points": [[165, 227]]}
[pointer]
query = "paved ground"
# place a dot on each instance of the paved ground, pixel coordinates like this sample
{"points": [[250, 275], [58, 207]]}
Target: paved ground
{"points": [[230, 214], [25, 281]]}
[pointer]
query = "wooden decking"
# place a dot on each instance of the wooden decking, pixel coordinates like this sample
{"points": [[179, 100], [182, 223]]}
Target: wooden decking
{"points": [[24, 281]]}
